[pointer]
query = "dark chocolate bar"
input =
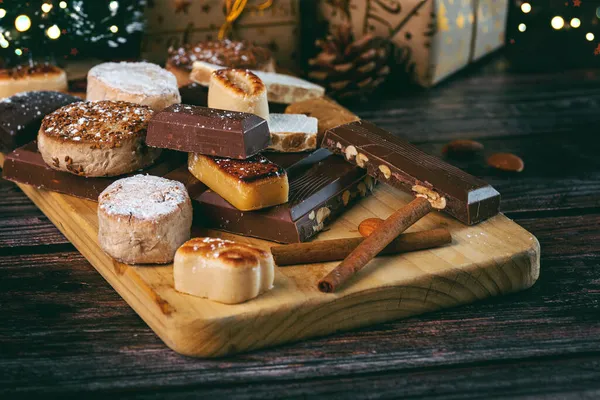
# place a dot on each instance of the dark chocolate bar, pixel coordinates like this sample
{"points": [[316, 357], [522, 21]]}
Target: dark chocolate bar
{"points": [[322, 186], [22, 114], [25, 165], [208, 131], [398, 163], [194, 94]]}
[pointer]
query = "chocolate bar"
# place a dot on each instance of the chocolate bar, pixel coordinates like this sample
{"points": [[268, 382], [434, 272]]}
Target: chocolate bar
{"points": [[322, 186], [25, 165], [208, 131], [400, 164], [194, 94], [22, 114]]}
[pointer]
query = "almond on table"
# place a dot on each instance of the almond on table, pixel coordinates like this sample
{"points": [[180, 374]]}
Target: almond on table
{"points": [[249, 184]]}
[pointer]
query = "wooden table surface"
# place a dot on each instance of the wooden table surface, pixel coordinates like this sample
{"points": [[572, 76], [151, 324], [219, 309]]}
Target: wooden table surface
{"points": [[66, 332]]}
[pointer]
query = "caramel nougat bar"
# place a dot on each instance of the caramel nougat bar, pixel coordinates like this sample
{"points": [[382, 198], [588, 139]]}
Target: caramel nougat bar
{"points": [[249, 184]]}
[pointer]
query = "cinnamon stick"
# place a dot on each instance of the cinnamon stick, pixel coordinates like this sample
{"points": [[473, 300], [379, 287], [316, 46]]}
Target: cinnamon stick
{"points": [[338, 249], [394, 225]]}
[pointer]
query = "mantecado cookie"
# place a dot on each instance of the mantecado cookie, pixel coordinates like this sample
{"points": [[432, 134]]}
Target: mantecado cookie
{"points": [[223, 270], [143, 219], [226, 53], [137, 82], [104, 138], [238, 90]]}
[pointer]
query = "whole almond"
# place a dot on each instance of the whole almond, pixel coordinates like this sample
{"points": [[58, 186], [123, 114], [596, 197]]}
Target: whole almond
{"points": [[462, 148], [506, 162], [368, 226]]}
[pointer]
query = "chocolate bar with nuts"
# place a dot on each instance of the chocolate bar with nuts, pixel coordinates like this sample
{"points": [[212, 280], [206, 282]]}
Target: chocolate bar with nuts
{"points": [[322, 186], [400, 164]]}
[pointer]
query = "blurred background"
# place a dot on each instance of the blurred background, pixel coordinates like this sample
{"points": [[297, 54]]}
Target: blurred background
{"points": [[349, 46]]}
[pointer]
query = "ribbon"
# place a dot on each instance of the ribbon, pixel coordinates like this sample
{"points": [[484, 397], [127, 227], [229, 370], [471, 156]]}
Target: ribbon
{"points": [[234, 9], [474, 29]]}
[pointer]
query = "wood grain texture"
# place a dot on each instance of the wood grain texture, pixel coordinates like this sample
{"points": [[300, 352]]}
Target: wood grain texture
{"points": [[66, 333], [492, 258]]}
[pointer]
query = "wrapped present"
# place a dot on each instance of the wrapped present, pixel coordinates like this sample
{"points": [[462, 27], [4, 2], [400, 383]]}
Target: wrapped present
{"points": [[433, 38], [271, 23]]}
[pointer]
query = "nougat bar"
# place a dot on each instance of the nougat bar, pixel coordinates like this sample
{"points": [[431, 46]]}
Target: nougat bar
{"points": [[209, 131], [292, 133], [21, 115], [249, 184], [400, 164]]}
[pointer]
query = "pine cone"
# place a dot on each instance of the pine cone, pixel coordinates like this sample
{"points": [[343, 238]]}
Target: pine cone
{"points": [[349, 68]]}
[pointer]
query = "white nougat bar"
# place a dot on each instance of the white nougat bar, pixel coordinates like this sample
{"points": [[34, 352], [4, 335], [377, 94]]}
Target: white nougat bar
{"points": [[292, 133]]}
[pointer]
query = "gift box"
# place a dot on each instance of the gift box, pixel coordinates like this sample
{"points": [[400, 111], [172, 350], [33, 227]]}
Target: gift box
{"points": [[433, 38], [273, 24]]}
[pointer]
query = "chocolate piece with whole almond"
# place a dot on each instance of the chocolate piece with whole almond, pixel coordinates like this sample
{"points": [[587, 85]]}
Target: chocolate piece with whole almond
{"points": [[506, 162], [461, 148], [400, 164]]}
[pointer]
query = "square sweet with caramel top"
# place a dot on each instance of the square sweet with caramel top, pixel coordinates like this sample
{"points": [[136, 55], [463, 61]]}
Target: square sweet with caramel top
{"points": [[249, 184]]}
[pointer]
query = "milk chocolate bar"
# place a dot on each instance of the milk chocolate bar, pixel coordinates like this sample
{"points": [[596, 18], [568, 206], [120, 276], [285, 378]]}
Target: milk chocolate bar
{"points": [[249, 184], [400, 164], [208, 131], [22, 114], [322, 186], [25, 165]]}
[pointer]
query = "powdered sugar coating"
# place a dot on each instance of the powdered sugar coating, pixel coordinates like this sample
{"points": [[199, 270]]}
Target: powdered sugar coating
{"points": [[140, 78], [144, 197]]}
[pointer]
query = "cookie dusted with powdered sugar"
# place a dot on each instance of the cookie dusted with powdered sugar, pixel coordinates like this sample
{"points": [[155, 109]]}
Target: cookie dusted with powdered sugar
{"points": [[137, 82], [143, 219], [104, 138]]}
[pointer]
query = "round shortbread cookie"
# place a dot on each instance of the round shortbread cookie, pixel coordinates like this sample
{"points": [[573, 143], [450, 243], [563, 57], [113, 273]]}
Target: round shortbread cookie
{"points": [[136, 82], [143, 219], [104, 138]]}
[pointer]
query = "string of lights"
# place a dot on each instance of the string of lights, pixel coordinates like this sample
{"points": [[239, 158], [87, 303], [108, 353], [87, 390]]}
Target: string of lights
{"points": [[554, 34], [69, 28]]}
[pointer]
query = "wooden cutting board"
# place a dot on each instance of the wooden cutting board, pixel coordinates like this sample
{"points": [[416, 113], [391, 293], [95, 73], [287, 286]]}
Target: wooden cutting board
{"points": [[489, 259]]}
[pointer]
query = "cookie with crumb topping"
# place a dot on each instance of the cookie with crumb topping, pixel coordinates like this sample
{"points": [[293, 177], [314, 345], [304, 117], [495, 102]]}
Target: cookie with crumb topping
{"points": [[226, 53], [103, 138], [143, 219]]}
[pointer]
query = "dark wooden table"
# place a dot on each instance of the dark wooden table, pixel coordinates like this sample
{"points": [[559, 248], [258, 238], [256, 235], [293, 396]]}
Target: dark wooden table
{"points": [[65, 331]]}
